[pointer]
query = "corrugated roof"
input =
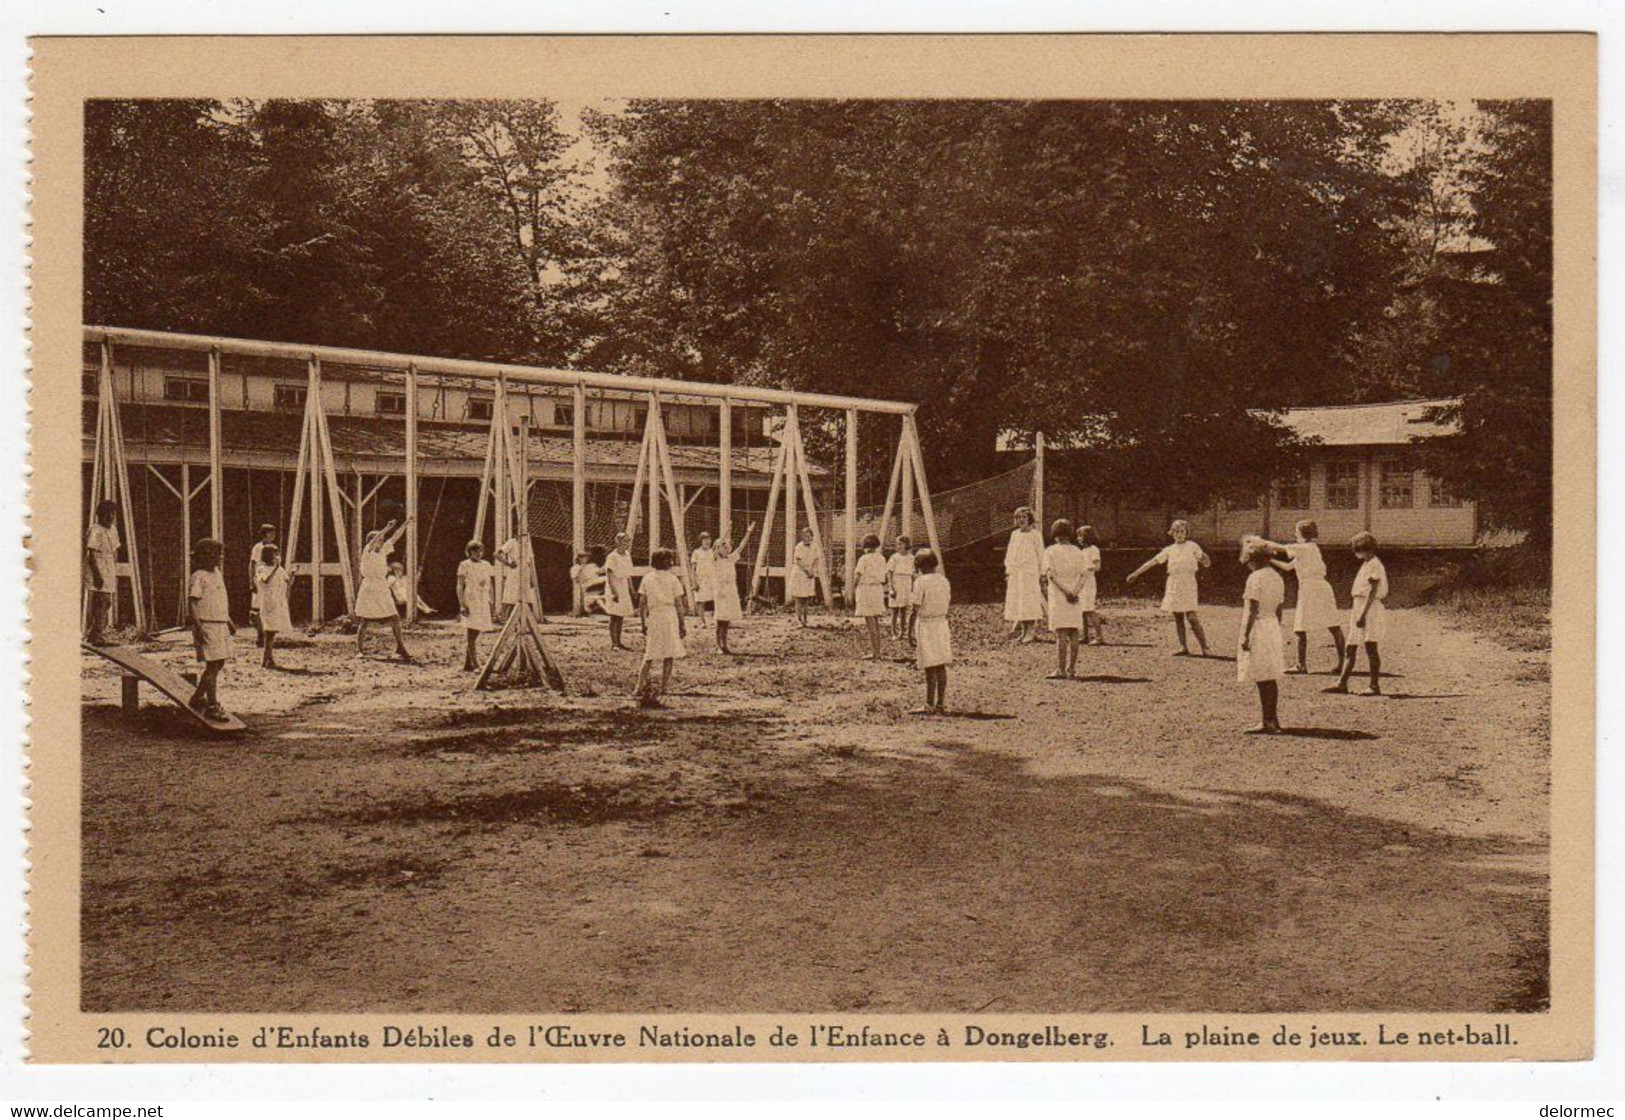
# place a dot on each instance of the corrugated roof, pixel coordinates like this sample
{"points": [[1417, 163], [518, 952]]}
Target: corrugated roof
{"points": [[357, 437], [1364, 425], [1389, 423]]}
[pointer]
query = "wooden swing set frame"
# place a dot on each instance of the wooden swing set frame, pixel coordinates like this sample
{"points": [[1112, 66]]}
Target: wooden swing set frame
{"points": [[318, 493]]}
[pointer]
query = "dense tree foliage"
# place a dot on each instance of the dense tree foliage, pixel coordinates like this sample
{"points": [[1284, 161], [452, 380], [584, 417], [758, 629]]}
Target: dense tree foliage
{"points": [[1151, 275]]}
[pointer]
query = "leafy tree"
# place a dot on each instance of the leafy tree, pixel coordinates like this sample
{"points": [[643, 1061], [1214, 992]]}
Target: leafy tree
{"points": [[1496, 333], [1149, 272]]}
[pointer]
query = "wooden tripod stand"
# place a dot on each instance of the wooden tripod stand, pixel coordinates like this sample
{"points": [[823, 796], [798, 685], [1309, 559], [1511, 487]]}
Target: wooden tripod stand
{"points": [[520, 656]]}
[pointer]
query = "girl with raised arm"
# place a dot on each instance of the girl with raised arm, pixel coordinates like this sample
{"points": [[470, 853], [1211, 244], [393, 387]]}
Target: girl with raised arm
{"points": [[374, 602], [1183, 558]]}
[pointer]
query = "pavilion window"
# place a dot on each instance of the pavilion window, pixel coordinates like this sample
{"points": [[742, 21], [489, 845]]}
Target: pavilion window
{"points": [[1343, 484], [1396, 487], [291, 398], [1292, 492]]}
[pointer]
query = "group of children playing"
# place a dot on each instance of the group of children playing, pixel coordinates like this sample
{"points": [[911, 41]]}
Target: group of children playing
{"points": [[1057, 583]]}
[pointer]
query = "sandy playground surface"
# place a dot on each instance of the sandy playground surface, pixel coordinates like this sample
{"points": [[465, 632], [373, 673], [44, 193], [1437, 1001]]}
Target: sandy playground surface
{"points": [[785, 836]]}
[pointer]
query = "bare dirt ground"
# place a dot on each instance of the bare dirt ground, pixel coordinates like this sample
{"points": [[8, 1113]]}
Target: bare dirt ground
{"points": [[784, 836]]}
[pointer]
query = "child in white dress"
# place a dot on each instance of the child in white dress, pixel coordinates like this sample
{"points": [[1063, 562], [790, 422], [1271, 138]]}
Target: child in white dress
{"points": [[1368, 620], [1089, 544], [401, 588], [1183, 558], [725, 579], [869, 577], [271, 593], [1023, 564], [101, 570], [1260, 652], [801, 584], [664, 604], [935, 650], [374, 602], [476, 600], [702, 563], [619, 600], [587, 577], [256, 558], [900, 589], [1317, 603], [212, 629], [1064, 574]]}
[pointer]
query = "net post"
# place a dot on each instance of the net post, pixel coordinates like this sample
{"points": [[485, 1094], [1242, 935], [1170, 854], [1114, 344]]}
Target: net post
{"points": [[1038, 480]]}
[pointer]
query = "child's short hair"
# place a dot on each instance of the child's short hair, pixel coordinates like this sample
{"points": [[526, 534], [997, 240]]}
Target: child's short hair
{"points": [[1062, 530], [1179, 523], [1308, 530], [926, 562], [1087, 537], [1363, 542], [902, 540], [662, 559], [871, 541], [705, 536], [207, 550], [1254, 548], [105, 507], [470, 548], [1026, 514], [583, 557], [267, 529]]}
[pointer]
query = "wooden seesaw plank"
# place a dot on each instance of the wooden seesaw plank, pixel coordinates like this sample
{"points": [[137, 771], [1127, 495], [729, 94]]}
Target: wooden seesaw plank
{"points": [[171, 684]]}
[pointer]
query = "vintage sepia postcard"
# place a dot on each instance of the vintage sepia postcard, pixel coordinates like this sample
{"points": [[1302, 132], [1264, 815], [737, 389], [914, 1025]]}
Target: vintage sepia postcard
{"points": [[808, 549]]}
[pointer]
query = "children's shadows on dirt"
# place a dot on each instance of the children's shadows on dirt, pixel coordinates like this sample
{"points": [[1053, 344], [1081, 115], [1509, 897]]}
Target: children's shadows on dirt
{"points": [[1341, 733], [1099, 678], [950, 714]]}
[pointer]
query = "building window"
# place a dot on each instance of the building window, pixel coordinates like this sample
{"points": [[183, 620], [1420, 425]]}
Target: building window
{"points": [[291, 398], [391, 404], [190, 389], [1343, 484], [564, 415], [640, 417], [1292, 492], [1396, 485], [1442, 496], [481, 408]]}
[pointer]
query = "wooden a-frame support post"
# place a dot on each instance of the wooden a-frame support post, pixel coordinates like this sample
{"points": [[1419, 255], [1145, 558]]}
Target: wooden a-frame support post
{"points": [[656, 475], [912, 434], [520, 651], [110, 481], [317, 471], [503, 479], [790, 474]]}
